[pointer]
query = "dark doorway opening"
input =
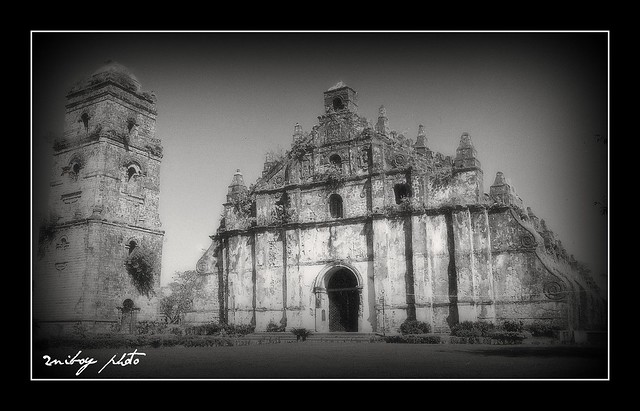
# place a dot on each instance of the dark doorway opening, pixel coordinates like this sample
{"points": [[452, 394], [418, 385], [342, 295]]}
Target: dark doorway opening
{"points": [[344, 301], [128, 322]]}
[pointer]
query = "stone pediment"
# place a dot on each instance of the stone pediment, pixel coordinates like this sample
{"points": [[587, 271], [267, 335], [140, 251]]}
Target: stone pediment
{"points": [[275, 177], [340, 126]]}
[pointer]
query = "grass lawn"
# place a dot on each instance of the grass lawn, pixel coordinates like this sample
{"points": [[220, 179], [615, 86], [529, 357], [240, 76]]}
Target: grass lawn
{"points": [[310, 360]]}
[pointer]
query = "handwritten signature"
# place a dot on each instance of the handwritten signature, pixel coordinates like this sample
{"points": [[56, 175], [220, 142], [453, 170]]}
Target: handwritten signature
{"points": [[125, 360]]}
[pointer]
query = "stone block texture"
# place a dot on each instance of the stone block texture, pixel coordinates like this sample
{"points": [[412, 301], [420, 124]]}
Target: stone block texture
{"points": [[104, 197], [357, 228]]}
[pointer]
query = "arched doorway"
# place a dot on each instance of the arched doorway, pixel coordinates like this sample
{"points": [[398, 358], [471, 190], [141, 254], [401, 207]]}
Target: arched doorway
{"points": [[128, 318], [344, 301]]}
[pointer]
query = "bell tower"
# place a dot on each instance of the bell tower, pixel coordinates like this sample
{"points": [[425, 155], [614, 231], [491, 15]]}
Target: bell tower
{"points": [[99, 251], [340, 98]]}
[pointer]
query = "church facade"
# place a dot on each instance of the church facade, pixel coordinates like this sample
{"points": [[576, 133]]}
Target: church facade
{"points": [[358, 228]]}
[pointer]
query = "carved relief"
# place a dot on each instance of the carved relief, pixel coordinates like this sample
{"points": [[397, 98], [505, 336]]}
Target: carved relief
{"points": [[554, 290], [333, 131], [363, 159], [527, 240], [71, 197], [201, 267], [63, 244], [305, 168], [399, 160]]}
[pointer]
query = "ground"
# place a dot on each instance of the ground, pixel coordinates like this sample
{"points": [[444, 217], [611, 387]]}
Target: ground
{"points": [[309, 360]]}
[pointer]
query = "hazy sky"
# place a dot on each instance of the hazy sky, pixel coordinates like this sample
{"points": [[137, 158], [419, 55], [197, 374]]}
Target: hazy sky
{"points": [[533, 104]]}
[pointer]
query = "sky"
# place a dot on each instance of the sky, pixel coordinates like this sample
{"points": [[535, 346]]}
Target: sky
{"points": [[534, 103]]}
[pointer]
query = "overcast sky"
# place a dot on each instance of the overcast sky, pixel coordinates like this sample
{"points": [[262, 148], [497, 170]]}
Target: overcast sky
{"points": [[533, 104]]}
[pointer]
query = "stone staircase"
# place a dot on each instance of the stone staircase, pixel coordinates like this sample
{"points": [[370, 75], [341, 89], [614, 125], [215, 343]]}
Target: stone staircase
{"points": [[275, 337]]}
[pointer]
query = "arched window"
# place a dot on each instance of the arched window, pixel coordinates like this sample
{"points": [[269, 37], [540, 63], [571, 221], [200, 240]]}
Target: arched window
{"points": [[85, 120], [287, 174], [130, 123], [127, 305], [401, 191], [335, 206], [338, 104], [132, 246], [131, 171]]}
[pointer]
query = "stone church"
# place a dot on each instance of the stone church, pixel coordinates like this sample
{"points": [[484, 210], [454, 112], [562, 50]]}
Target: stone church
{"points": [[98, 259], [357, 228]]}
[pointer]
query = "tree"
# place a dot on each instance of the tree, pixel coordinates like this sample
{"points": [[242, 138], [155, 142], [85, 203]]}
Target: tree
{"points": [[182, 291]]}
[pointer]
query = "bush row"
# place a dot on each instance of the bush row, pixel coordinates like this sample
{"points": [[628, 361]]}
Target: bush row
{"points": [[414, 327], [540, 329], [470, 340], [219, 329], [132, 341], [413, 339], [508, 332]]}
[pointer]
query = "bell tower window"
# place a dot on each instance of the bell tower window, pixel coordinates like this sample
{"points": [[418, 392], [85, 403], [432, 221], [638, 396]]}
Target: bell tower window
{"points": [[335, 206], [85, 121], [401, 192], [132, 246], [338, 104]]}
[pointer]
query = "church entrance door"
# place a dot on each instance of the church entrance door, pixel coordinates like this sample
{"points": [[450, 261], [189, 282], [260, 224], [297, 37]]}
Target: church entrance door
{"points": [[344, 301]]}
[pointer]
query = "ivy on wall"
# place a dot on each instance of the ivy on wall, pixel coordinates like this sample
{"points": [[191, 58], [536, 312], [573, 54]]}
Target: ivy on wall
{"points": [[140, 266]]}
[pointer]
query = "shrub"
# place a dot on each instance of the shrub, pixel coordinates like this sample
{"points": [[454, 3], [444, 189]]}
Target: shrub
{"points": [[414, 327], [239, 329], [470, 340], [150, 327], [132, 341], [541, 329], [207, 342], [219, 329], [512, 326], [301, 333], [275, 328], [174, 330], [413, 339], [470, 329], [204, 329], [507, 337]]}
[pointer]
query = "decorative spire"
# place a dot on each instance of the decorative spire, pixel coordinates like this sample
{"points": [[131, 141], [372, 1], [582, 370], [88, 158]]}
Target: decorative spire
{"points": [[382, 126], [466, 155], [421, 141], [297, 132], [503, 193], [236, 187], [500, 179], [421, 131]]}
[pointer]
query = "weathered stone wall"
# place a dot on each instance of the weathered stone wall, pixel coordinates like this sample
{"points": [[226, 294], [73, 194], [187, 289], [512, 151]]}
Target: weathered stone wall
{"points": [[83, 277], [437, 269], [389, 267], [100, 206], [206, 302], [240, 279], [59, 275], [417, 230], [525, 289], [269, 278]]}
